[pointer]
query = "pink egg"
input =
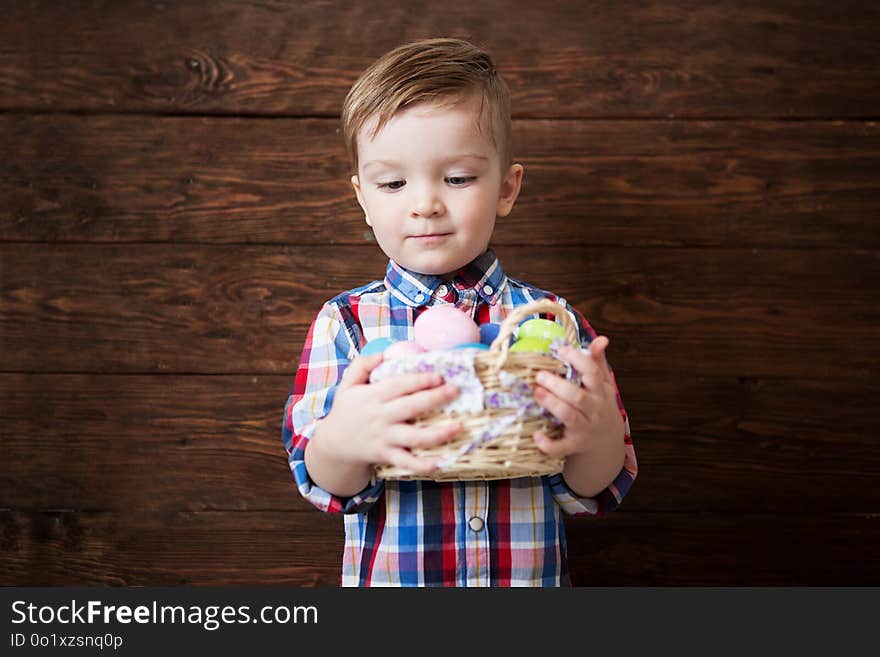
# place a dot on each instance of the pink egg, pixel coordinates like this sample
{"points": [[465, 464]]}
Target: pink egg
{"points": [[402, 350], [444, 327]]}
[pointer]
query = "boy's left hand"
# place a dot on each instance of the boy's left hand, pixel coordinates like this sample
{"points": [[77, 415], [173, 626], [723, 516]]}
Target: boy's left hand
{"points": [[588, 411]]}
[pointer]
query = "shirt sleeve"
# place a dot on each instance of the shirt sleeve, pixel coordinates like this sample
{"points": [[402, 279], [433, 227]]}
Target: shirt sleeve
{"points": [[609, 498], [328, 350]]}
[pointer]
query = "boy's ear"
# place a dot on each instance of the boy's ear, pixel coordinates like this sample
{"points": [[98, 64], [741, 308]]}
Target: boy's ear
{"points": [[355, 182], [510, 186]]}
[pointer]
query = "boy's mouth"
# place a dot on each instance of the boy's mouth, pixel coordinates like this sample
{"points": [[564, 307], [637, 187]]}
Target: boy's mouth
{"points": [[430, 239]]}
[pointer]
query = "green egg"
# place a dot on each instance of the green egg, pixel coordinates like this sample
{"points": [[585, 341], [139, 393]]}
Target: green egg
{"points": [[531, 344], [541, 329]]}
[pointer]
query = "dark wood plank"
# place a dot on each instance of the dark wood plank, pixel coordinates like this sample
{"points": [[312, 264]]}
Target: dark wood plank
{"points": [[245, 310], [798, 58], [193, 443], [296, 549], [145, 443], [104, 178], [171, 549], [647, 183]]}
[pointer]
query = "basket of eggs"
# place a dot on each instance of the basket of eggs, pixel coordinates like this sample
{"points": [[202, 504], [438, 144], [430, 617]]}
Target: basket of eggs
{"points": [[494, 368]]}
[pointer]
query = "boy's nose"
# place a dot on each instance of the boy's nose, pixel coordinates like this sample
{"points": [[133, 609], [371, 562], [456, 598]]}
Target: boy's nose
{"points": [[427, 204]]}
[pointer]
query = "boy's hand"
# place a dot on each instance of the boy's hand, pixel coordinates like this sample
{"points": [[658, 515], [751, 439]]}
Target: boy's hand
{"points": [[368, 422], [589, 412]]}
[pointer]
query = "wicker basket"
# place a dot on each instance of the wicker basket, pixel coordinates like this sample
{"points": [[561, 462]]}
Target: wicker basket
{"points": [[512, 453]]}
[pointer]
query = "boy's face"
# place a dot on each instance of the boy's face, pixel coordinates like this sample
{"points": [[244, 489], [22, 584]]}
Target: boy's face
{"points": [[431, 186]]}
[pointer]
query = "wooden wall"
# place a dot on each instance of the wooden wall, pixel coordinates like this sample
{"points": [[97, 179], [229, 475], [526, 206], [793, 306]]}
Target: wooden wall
{"points": [[701, 181]]}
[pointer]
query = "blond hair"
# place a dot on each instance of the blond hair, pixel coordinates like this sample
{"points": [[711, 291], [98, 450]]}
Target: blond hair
{"points": [[439, 71]]}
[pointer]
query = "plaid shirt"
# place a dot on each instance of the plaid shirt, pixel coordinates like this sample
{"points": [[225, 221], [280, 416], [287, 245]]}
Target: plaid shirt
{"points": [[425, 533]]}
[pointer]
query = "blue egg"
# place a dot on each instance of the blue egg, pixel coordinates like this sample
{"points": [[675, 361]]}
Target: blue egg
{"points": [[488, 332], [376, 346], [471, 345]]}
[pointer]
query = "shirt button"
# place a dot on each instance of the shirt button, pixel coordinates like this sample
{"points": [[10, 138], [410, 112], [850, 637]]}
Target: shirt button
{"points": [[488, 289], [442, 290], [420, 297], [475, 523]]}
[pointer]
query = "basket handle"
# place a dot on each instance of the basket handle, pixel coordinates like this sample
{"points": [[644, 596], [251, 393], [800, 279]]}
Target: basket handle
{"points": [[501, 344]]}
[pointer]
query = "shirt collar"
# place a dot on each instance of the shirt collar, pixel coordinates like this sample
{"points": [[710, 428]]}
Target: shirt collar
{"points": [[483, 274]]}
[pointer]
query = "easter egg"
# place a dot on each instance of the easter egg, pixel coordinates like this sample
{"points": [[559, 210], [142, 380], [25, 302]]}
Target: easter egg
{"points": [[376, 346], [488, 332], [443, 327], [542, 329], [531, 344], [472, 345], [403, 349]]}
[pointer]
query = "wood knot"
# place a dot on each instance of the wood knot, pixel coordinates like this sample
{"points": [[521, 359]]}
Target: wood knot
{"points": [[200, 74], [208, 73]]}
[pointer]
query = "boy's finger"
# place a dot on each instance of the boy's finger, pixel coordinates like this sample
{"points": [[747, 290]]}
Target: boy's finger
{"points": [[553, 447], [564, 389], [359, 369], [597, 351], [423, 437], [579, 359], [411, 406], [406, 460], [571, 416], [395, 387], [599, 354], [588, 362]]}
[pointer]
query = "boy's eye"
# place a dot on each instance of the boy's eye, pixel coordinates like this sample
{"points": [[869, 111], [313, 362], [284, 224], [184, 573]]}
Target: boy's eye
{"points": [[460, 180], [394, 184]]}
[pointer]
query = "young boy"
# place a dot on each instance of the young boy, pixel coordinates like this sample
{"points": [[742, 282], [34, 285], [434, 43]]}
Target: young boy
{"points": [[427, 127]]}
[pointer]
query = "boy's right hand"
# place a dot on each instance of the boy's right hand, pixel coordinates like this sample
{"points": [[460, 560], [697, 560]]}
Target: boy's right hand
{"points": [[368, 422]]}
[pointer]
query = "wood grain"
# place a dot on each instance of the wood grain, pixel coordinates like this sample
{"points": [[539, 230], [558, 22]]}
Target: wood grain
{"points": [[279, 181], [299, 549], [245, 309], [171, 549], [165, 443], [563, 58]]}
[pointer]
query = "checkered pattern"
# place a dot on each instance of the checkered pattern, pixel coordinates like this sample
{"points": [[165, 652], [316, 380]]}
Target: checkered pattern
{"points": [[425, 533]]}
